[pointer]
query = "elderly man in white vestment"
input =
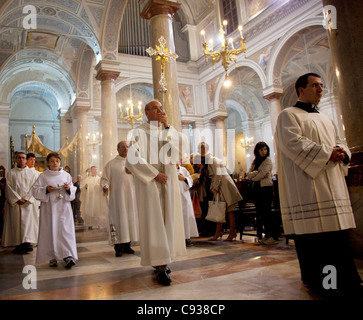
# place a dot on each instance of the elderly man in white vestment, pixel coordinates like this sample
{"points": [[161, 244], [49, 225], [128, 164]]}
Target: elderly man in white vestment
{"points": [[157, 190], [21, 220], [120, 188], [315, 204], [94, 206]]}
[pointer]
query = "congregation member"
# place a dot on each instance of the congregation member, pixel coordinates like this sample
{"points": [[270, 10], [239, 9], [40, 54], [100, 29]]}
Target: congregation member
{"points": [[157, 191], [57, 238], [94, 207], [315, 205], [21, 219], [119, 185], [185, 184], [260, 173], [222, 185], [76, 203]]}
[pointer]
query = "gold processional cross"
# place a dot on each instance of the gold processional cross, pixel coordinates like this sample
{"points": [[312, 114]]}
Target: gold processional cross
{"points": [[162, 53]]}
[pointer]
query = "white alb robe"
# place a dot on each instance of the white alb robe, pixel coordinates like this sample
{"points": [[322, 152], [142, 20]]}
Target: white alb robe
{"points": [[57, 238], [21, 222], [159, 206], [122, 200], [190, 225], [94, 206], [313, 193]]}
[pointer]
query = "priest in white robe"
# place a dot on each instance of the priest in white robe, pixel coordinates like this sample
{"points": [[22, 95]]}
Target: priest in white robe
{"points": [[94, 206], [21, 219], [190, 225], [157, 190], [315, 204], [120, 188], [57, 238]]}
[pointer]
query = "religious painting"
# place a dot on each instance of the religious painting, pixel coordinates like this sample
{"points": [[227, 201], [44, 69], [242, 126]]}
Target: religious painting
{"points": [[211, 90], [186, 95], [264, 57], [42, 39], [255, 7]]}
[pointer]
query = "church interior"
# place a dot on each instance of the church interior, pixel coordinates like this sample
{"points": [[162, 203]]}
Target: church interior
{"points": [[76, 74]]}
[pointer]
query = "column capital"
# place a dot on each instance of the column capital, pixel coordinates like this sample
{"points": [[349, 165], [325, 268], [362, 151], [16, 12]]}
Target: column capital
{"points": [[82, 108], [107, 70], [107, 75], [157, 7], [273, 95], [272, 92], [4, 111], [186, 122], [219, 117]]}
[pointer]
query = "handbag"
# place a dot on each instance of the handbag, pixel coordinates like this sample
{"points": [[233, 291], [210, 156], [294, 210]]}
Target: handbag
{"points": [[196, 205], [216, 210]]}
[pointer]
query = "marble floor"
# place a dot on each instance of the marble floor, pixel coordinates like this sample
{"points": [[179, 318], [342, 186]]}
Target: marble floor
{"points": [[212, 270]]}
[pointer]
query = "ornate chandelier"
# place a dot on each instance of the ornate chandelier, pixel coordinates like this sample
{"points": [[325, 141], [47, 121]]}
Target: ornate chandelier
{"points": [[227, 56]]}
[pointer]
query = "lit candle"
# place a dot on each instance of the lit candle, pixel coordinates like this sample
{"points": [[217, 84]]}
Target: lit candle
{"points": [[203, 34], [231, 42], [240, 28], [225, 22], [211, 44]]}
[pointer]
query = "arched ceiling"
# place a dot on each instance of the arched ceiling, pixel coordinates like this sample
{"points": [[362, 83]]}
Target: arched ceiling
{"points": [[246, 93], [307, 51], [49, 56]]}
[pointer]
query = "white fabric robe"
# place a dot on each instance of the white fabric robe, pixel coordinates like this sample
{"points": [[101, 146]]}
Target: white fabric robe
{"points": [[21, 222], [57, 238], [160, 218], [190, 225], [122, 200], [313, 193], [94, 204]]}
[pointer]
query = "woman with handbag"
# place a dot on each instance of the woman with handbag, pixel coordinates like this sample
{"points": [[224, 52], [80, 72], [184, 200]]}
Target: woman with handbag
{"points": [[260, 175], [224, 188]]}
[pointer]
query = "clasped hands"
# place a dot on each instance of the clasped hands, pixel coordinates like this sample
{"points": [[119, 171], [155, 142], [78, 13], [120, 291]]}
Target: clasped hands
{"points": [[338, 154]]}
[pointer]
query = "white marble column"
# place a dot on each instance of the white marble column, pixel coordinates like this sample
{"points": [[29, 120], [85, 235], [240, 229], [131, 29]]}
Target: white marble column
{"points": [[220, 137], [159, 13], [275, 108], [108, 114], [4, 134], [82, 113]]}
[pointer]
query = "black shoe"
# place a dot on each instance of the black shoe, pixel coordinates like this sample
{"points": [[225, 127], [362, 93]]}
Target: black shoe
{"points": [[27, 247], [69, 262], [19, 250], [167, 270], [163, 278], [128, 250], [118, 253], [188, 243]]}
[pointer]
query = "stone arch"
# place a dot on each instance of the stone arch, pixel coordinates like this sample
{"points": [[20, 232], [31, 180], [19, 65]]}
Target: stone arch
{"points": [[272, 75], [241, 63]]}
